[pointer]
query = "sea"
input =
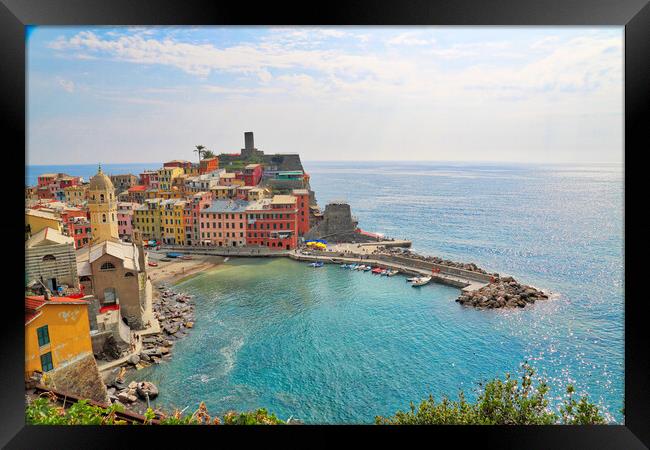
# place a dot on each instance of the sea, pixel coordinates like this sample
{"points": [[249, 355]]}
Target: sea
{"points": [[329, 345]]}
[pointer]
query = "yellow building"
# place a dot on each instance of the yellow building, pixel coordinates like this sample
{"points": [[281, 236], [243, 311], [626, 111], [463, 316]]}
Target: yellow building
{"points": [[57, 332], [36, 220], [76, 195], [165, 195], [103, 208], [223, 192], [172, 221], [166, 177], [256, 194], [146, 218]]}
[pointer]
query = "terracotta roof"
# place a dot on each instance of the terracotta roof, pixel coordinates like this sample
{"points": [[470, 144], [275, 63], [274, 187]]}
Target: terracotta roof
{"points": [[137, 188]]}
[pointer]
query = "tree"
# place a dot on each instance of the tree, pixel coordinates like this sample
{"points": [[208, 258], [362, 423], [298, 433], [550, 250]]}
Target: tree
{"points": [[200, 150], [208, 154], [501, 402]]}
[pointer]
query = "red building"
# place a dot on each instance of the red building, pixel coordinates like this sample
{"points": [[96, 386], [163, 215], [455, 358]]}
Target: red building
{"points": [[302, 197], [79, 229], [178, 163], [51, 185], [208, 165], [145, 177], [253, 174], [273, 223]]}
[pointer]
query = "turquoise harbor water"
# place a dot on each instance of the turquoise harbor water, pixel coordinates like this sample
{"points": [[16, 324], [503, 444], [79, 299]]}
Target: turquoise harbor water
{"points": [[328, 345], [333, 346]]}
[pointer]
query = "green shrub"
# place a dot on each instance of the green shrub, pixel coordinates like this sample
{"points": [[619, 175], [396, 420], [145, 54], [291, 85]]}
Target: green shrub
{"points": [[501, 402]]}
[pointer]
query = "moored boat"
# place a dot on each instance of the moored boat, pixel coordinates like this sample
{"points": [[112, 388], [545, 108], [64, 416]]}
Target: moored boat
{"points": [[421, 281]]}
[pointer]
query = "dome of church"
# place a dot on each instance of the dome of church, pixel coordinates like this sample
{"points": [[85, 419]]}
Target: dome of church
{"points": [[100, 182]]}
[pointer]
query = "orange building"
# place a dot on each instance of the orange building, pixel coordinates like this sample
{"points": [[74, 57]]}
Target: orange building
{"points": [[208, 165], [57, 332]]}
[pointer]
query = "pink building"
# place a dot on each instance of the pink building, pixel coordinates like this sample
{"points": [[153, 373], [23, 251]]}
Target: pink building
{"points": [[191, 213], [125, 219], [223, 224]]}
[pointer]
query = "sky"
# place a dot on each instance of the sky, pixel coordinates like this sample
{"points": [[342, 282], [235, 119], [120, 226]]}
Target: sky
{"points": [[149, 94]]}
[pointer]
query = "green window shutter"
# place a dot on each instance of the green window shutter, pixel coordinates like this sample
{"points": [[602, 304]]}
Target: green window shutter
{"points": [[46, 362], [43, 336]]}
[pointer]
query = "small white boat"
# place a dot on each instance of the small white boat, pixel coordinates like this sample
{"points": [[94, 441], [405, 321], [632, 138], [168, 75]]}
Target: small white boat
{"points": [[412, 279], [421, 281], [392, 273]]}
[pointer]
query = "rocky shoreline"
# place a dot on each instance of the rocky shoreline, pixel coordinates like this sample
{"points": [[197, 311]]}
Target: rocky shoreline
{"points": [[175, 314]]}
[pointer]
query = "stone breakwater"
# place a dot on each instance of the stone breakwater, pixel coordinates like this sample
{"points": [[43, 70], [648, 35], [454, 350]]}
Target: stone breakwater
{"points": [[480, 288], [437, 260], [502, 293]]}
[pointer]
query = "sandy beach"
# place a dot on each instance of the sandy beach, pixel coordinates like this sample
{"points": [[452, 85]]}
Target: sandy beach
{"points": [[177, 269]]}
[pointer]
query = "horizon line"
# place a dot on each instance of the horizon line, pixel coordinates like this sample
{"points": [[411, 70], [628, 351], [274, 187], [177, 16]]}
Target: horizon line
{"points": [[360, 160]]}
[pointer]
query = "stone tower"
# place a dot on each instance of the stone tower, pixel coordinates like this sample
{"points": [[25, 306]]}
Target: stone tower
{"points": [[103, 208]]}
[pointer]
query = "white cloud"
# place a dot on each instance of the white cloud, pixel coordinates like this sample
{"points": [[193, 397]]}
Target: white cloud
{"points": [[558, 98], [67, 85], [410, 38]]}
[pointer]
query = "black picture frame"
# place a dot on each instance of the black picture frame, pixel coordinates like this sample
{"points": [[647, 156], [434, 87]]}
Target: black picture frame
{"points": [[634, 15]]}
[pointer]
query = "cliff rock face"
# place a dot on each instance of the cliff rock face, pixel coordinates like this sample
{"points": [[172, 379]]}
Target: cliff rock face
{"points": [[81, 378]]}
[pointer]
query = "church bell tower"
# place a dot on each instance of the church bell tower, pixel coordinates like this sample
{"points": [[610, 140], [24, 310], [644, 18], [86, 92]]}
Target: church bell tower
{"points": [[103, 208]]}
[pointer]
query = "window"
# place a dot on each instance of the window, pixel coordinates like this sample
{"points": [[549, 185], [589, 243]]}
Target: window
{"points": [[104, 218], [43, 336], [49, 258], [101, 198], [107, 266], [46, 362]]}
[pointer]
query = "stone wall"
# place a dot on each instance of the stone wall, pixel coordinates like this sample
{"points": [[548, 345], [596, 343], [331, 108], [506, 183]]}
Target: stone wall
{"points": [[337, 225], [81, 378]]}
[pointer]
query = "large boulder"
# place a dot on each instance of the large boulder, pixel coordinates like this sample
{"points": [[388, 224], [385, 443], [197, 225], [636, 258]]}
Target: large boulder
{"points": [[147, 388]]}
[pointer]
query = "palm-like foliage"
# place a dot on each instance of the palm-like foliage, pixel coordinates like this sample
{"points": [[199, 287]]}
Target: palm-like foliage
{"points": [[200, 149]]}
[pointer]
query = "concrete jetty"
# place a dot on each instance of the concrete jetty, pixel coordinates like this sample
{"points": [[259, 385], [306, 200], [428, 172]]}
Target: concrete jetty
{"points": [[466, 283]]}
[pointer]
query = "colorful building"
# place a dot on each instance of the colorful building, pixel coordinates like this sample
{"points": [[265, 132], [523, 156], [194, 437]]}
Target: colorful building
{"points": [[146, 218], [125, 219], [258, 194], [80, 230], [253, 174], [146, 178], [136, 194], [273, 222], [185, 165], [57, 333], [208, 165], [52, 186], [122, 183], [166, 176], [36, 220], [302, 198], [76, 195], [223, 224], [172, 221], [223, 192], [191, 215]]}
